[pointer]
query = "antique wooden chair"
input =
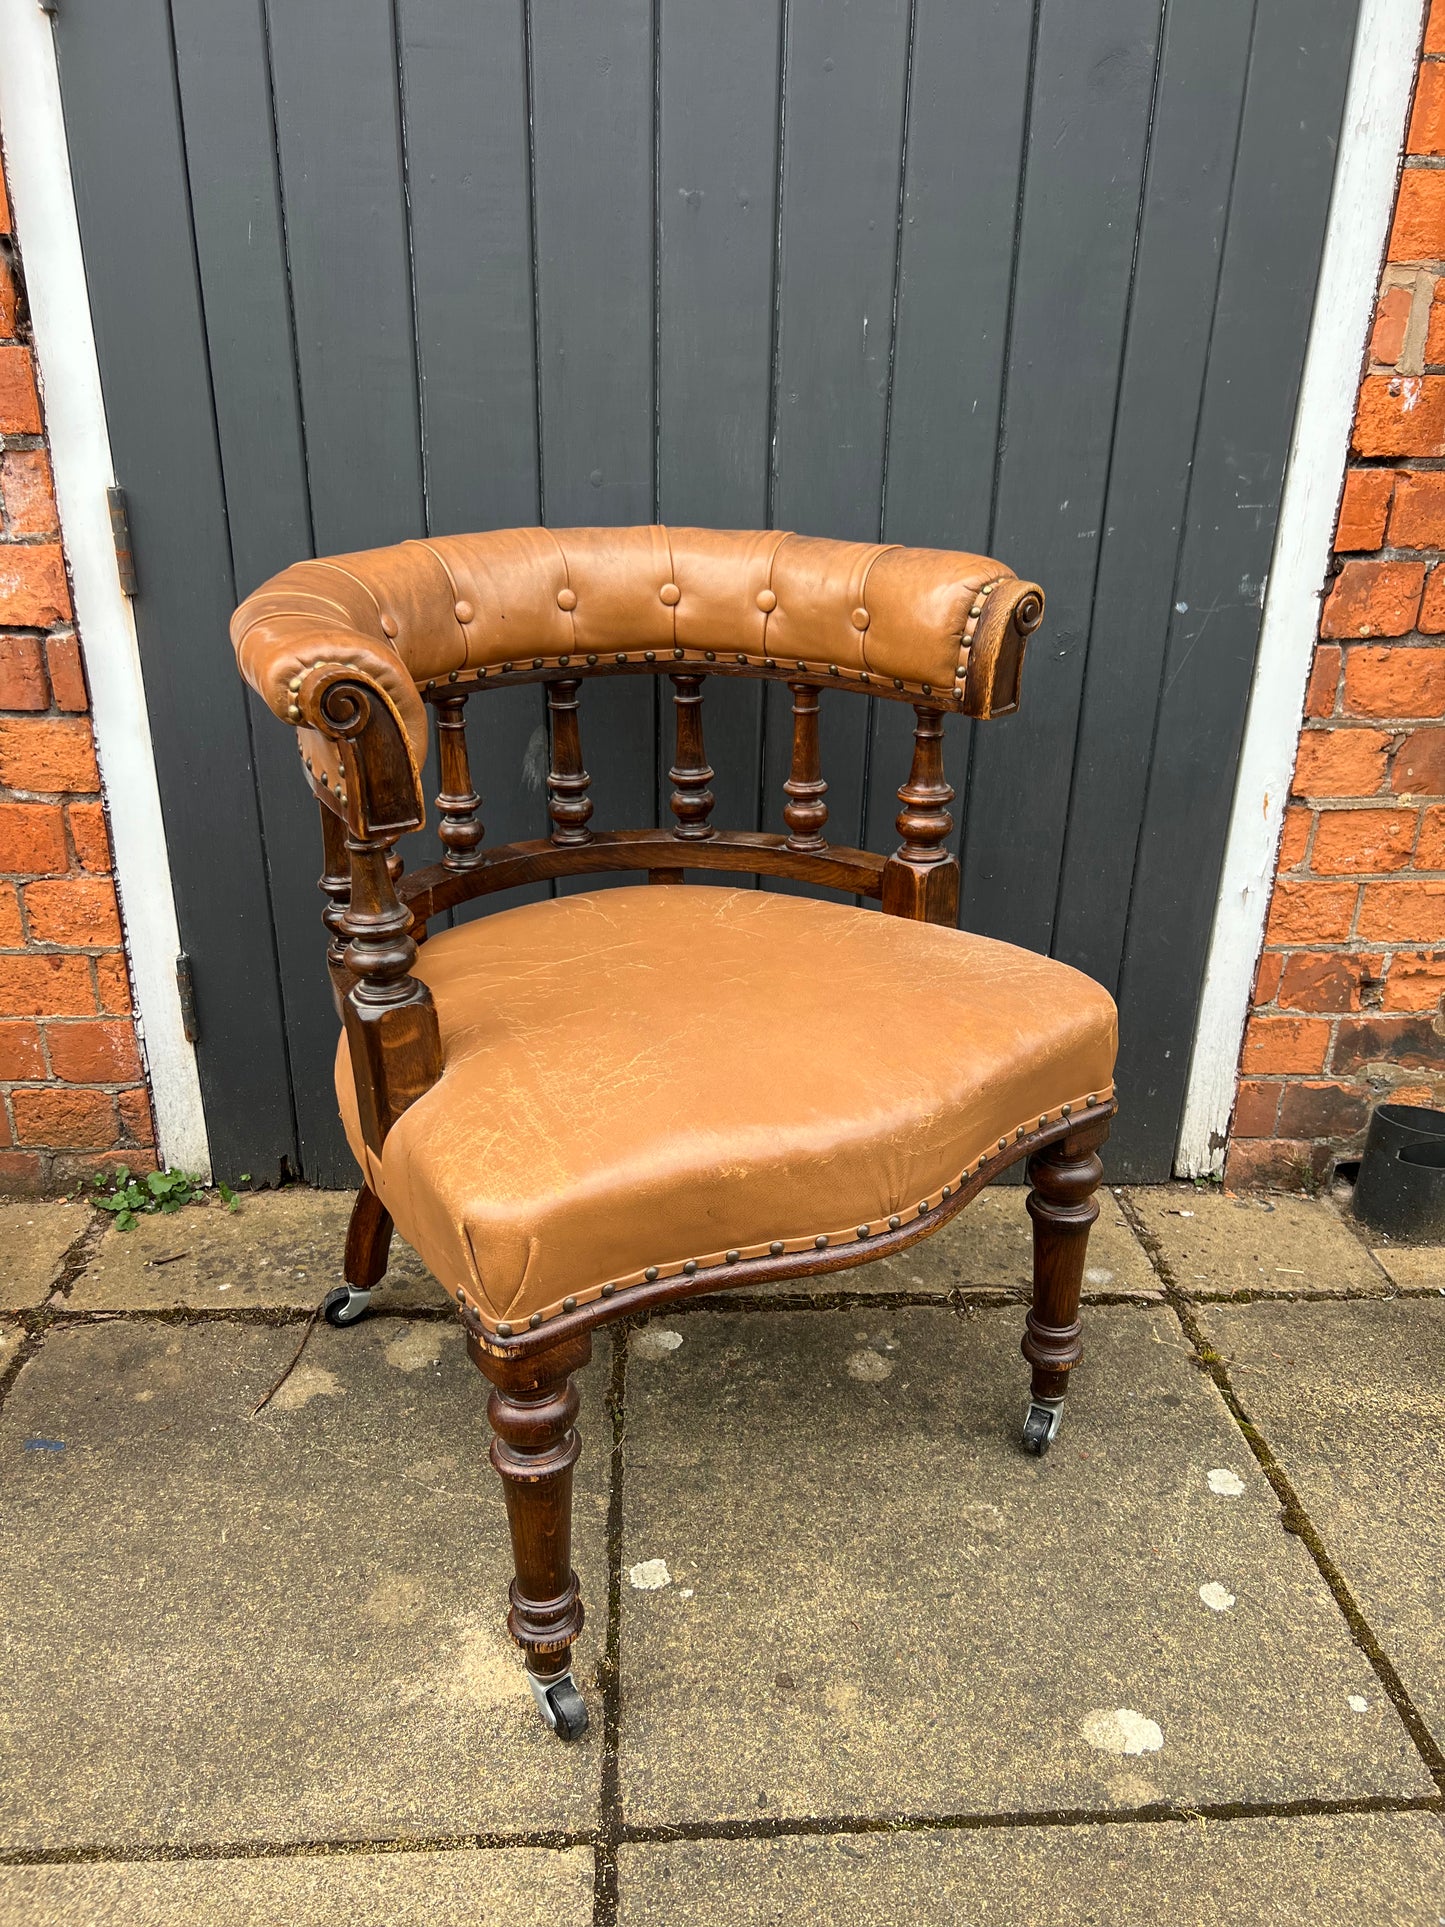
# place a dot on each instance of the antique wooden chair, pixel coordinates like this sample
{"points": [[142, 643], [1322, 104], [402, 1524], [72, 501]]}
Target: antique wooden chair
{"points": [[587, 1106]]}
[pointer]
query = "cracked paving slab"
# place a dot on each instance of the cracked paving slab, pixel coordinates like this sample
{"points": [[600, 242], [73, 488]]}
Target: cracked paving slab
{"points": [[224, 1630], [525, 1887], [877, 1604], [1351, 1400], [280, 1249], [34, 1237], [1368, 1870], [1217, 1242]]}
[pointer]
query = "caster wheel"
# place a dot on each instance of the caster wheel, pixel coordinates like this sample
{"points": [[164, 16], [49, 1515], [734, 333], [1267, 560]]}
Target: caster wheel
{"points": [[344, 1305], [561, 1705], [1041, 1425]]}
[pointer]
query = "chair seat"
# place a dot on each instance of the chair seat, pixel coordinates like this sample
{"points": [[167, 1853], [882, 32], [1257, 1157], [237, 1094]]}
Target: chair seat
{"points": [[641, 1077]]}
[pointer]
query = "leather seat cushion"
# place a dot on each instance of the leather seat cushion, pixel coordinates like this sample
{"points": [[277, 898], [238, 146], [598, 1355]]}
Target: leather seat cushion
{"points": [[642, 1076]]}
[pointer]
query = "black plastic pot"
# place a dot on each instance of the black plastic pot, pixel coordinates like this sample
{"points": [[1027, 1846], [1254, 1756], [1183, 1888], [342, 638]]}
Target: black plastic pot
{"points": [[1401, 1186]]}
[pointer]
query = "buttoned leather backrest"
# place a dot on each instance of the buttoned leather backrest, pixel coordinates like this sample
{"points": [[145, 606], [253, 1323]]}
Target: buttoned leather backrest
{"points": [[925, 624]]}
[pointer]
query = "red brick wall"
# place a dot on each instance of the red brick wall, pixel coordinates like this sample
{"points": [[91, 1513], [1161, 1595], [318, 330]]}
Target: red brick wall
{"points": [[72, 1094], [1350, 996]]}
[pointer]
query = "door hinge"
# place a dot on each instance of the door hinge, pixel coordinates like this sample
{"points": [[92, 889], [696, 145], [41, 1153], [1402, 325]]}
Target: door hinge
{"points": [[120, 535], [186, 987]]}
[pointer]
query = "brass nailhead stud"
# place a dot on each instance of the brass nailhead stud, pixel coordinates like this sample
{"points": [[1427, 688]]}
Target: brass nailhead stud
{"points": [[742, 658], [710, 654], [893, 1223], [670, 594], [506, 669], [769, 663], [1043, 1123], [1019, 1132], [897, 682], [389, 625], [677, 653], [948, 1190], [453, 674], [463, 612], [1067, 1111], [461, 1296], [776, 1248], [566, 598], [504, 1330], [732, 1257], [1093, 1098], [928, 689], [535, 1320], [650, 656], [621, 659], [650, 1274], [766, 601], [591, 662], [832, 669], [562, 661], [1003, 1144], [607, 1290], [860, 618], [923, 1208], [802, 665], [820, 1241], [293, 714], [862, 1231], [569, 1304], [690, 1267]]}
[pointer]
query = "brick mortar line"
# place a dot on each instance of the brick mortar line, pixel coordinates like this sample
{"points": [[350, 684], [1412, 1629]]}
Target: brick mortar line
{"points": [[1294, 1517], [803, 1826]]}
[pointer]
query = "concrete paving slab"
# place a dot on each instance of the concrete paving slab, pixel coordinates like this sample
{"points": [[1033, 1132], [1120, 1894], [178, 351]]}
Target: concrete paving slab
{"points": [[1217, 1242], [279, 1249], [1370, 1870], [1351, 1399], [1413, 1267], [34, 1237], [872, 1602], [987, 1248], [225, 1630], [10, 1337], [465, 1887]]}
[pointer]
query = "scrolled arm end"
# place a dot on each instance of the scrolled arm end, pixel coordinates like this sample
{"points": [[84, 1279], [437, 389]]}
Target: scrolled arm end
{"points": [[356, 750], [996, 656]]}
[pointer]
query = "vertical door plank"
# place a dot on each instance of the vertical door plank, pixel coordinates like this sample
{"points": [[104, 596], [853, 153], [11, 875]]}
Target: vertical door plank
{"points": [[224, 78], [131, 192], [1191, 164], [339, 134], [967, 97], [592, 113], [717, 198], [1093, 84], [464, 95], [1299, 67], [846, 80]]}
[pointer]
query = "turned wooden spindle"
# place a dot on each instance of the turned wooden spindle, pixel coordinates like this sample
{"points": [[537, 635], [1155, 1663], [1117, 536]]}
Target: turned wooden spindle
{"points": [[690, 775], [389, 1017], [460, 826], [1062, 1205], [533, 1409], [920, 879], [568, 803], [805, 812], [335, 883]]}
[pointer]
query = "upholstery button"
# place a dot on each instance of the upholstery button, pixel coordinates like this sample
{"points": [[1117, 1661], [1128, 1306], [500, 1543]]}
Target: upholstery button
{"points": [[860, 618], [463, 612], [670, 593], [767, 601], [566, 598], [389, 625]]}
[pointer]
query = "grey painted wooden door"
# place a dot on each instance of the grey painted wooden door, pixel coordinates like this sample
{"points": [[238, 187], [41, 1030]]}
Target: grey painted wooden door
{"points": [[1031, 279]]}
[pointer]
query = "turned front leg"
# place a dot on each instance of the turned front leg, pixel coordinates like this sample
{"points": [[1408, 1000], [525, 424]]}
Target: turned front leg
{"points": [[1063, 1207], [533, 1408]]}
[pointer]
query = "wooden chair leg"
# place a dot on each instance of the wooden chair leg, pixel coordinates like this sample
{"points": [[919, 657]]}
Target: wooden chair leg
{"points": [[532, 1409], [1063, 1207], [368, 1244]]}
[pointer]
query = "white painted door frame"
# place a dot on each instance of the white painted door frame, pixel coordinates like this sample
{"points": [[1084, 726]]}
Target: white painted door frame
{"points": [[43, 207], [1371, 140]]}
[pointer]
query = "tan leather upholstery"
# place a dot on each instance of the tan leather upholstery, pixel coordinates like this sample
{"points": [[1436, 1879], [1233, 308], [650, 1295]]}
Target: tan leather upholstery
{"points": [[537, 598], [640, 1077]]}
